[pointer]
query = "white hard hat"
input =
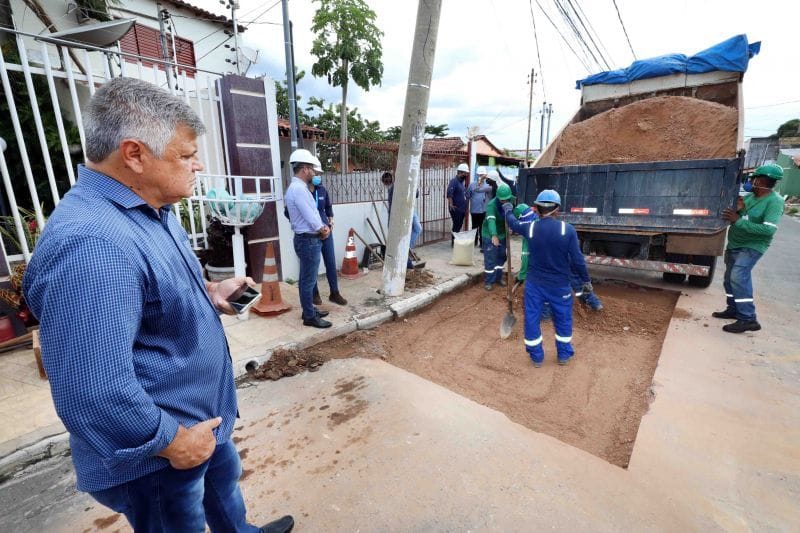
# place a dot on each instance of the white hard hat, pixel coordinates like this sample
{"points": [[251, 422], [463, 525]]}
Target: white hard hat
{"points": [[302, 155], [463, 168], [481, 171], [493, 175]]}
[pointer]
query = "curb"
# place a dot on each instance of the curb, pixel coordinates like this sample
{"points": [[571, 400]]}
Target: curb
{"points": [[55, 446]]}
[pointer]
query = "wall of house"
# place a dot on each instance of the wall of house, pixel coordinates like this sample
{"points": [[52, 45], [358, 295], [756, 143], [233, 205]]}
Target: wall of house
{"points": [[187, 25]]}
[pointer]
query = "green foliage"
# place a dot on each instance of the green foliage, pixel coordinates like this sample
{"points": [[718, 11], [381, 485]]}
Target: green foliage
{"points": [[439, 130], [393, 133], [97, 9], [19, 90], [282, 99], [790, 128], [30, 229], [328, 117], [347, 44]]}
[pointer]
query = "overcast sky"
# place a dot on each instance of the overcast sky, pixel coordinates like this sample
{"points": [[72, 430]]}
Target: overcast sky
{"points": [[486, 49]]}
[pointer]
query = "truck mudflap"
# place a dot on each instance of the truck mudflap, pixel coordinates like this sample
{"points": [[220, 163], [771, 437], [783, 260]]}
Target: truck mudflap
{"points": [[642, 264]]}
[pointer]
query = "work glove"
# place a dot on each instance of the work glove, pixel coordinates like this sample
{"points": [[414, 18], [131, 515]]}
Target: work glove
{"points": [[506, 207], [587, 288]]}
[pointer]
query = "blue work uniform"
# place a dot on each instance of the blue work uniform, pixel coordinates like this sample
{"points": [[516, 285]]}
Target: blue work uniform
{"points": [[554, 252]]}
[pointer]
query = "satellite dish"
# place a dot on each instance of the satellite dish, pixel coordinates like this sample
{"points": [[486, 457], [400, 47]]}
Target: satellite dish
{"points": [[249, 53], [102, 34]]}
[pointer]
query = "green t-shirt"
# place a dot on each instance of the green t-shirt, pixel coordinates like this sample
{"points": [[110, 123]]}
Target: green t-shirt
{"points": [[757, 224], [495, 222]]}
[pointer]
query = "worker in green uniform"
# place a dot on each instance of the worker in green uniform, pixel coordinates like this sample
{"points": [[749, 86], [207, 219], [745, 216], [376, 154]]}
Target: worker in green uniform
{"points": [[753, 223], [493, 232]]}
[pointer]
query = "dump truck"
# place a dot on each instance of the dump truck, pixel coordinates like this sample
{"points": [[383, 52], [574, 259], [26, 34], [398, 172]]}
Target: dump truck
{"points": [[642, 211]]}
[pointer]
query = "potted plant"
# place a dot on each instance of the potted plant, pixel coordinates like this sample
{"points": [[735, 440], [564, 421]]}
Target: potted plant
{"points": [[217, 259], [12, 296]]}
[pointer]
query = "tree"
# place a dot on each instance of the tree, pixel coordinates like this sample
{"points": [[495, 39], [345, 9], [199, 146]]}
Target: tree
{"points": [[393, 134], [440, 130], [347, 45], [790, 128], [282, 99]]}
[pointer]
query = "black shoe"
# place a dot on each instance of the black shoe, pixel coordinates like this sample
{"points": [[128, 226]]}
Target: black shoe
{"points": [[322, 313], [281, 525], [740, 326], [317, 322], [317, 299], [727, 314], [502, 281], [337, 298]]}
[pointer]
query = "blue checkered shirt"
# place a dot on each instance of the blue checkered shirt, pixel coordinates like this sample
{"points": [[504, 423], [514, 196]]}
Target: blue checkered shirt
{"points": [[131, 342]]}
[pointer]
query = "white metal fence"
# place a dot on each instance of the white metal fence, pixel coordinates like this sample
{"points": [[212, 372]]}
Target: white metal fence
{"points": [[57, 90]]}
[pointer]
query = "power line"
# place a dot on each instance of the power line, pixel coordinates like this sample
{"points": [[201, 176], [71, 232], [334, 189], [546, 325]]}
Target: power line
{"points": [[576, 32], [624, 30], [596, 34], [538, 56], [580, 20], [773, 105], [579, 58]]}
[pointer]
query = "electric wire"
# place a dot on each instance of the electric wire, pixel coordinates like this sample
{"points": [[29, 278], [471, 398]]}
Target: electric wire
{"points": [[589, 34], [538, 55], [624, 30], [563, 38]]}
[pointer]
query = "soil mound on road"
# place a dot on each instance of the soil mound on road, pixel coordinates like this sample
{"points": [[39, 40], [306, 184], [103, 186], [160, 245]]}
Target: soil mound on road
{"points": [[664, 128]]}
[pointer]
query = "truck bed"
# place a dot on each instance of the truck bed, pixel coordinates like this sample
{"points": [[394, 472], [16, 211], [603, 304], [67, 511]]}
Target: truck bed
{"points": [[684, 197]]}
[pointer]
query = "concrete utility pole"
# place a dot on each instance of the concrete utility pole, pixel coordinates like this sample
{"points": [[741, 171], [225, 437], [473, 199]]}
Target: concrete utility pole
{"points": [[287, 46], [413, 133], [234, 7], [162, 14], [541, 127], [549, 113], [530, 111]]}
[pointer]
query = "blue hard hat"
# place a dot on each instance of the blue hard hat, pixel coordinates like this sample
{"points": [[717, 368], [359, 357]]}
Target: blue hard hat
{"points": [[548, 196]]}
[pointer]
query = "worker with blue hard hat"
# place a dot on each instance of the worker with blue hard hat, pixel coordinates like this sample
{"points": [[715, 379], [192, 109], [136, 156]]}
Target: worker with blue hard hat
{"points": [[554, 253]]}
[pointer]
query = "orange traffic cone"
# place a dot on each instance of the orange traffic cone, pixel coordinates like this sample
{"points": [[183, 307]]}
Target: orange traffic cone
{"points": [[271, 303], [350, 268]]}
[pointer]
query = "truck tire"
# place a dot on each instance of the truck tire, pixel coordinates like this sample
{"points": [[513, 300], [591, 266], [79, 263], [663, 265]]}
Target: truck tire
{"points": [[704, 281], [677, 279]]}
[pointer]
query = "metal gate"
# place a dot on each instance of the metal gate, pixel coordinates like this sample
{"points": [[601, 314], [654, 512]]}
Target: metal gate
{"points": [[44, 91]]}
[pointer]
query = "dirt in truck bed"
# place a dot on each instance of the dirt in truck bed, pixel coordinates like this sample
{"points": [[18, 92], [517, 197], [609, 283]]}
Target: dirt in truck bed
{"points": [[664, 128], [594, 403]]}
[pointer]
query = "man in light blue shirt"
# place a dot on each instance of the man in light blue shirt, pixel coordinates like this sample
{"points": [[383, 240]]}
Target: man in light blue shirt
{"points": [[478, 195], [309, 232]]}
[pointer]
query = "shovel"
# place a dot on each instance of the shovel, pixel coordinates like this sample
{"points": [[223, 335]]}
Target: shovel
{"points": [[509, 320]]}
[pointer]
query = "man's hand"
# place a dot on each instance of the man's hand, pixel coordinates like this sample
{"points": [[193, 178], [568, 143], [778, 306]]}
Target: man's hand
{"points": [[193, 446], [730, 215], [219, 292], [506, 207], [495, 240], [587, 288], [325, 232], [330, 223], [451, 208], [739, 203]]}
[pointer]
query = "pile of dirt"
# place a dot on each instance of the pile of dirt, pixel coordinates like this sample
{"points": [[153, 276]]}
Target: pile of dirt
{"points": [[663, 128], [419, 278], [285, 363]]}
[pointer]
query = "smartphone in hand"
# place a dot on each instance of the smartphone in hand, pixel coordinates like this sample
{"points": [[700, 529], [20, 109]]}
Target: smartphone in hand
{"points": [[244, 298]]}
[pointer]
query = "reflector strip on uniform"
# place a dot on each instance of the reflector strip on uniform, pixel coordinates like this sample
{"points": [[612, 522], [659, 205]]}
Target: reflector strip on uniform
{"points": [[579, 294], [770, 224], [563, 339], [563, 228], [530, 230], [691, 212], [729, 295], [490, 216], [535, 342], [489, 271], [634, 211], [583, 210], [743, 300], [499, 267]]}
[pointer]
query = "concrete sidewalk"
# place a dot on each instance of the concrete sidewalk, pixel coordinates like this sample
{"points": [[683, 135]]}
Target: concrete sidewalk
{"points": [[26, 408]]}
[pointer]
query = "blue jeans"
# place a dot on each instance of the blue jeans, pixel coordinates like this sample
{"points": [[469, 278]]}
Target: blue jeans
{"points": [[308, 249], [494, 257], [559, 300], [416, 230], [184, 500], [738, 283], [329, 258]]}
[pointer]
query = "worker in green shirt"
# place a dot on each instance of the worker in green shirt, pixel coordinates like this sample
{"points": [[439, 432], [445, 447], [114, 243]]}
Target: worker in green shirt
{"points": [[493, 232], [753, 224]]}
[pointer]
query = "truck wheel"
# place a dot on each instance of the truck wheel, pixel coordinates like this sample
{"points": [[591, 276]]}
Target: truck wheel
{"points": [[669, 277], [704, 281]]}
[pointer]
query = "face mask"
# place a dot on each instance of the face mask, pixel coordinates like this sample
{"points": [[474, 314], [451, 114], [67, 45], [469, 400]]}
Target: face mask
{"points": [[316, 180], [748, 186]]}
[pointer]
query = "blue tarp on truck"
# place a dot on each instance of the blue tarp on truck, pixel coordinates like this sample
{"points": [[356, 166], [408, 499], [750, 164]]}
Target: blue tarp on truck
{"points": [[731, 55]]}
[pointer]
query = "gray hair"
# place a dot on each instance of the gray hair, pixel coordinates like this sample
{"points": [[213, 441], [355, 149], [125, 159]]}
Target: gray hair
{"points": [[127, 108]]}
